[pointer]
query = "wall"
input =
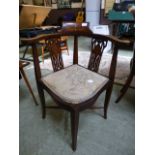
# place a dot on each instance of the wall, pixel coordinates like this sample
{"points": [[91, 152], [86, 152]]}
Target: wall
{"points": [[54, 6], [108, 5], [56, 15]]}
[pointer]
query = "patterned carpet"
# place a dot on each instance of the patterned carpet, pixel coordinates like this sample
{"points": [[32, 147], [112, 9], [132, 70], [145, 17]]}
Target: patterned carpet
{"points": [[122, 70], [96, 136]]}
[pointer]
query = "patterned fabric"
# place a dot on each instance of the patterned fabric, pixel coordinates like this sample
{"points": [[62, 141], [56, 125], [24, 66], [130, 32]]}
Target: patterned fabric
{"points": [[122, 68], [75, 84]]}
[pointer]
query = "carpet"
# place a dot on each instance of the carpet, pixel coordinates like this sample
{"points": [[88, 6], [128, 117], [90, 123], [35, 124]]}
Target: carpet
{"points": [[122, 68], [96, 136]]}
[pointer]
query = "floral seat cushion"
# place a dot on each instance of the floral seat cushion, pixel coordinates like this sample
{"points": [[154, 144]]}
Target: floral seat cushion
{"points": [[74, 84]]}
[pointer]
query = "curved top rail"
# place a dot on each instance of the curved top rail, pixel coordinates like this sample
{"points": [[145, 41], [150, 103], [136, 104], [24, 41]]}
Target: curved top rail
{"points": [[75, 31]]}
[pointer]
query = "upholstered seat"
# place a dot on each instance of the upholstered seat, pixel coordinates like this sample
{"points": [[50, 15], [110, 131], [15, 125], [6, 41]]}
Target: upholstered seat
{"points": [[74, 84]]}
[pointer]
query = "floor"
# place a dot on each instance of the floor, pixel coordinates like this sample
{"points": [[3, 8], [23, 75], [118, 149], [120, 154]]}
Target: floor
{"points": [[96, 136]]}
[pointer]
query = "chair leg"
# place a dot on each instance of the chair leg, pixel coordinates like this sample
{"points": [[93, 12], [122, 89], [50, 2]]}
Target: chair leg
{"points": [[126, 86], [42, 49], [25, 51], [67, 51], [67, 48], [107, 99], [74, 128], [28, 85], [42, 99]]}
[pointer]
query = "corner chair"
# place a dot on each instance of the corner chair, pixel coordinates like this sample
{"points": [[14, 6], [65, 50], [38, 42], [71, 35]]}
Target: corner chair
{"points": [[75, 88]]}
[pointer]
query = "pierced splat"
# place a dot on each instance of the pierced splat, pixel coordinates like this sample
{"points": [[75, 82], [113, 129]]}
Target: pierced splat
{"points": [[53, 46], [97, 49]]}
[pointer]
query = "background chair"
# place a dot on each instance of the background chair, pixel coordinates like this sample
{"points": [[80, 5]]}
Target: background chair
{"points": [[62, 42], [74, 88], [128, 34], [23, 64], [129, 79]]}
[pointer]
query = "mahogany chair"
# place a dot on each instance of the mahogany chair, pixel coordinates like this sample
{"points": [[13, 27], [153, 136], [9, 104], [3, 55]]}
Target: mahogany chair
{"points": [[74, 88], [63, 44]]}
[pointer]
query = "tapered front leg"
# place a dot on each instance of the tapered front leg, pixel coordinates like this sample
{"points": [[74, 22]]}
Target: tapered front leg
{"points": [[107, 99], [74, 128], [42, 99]]}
